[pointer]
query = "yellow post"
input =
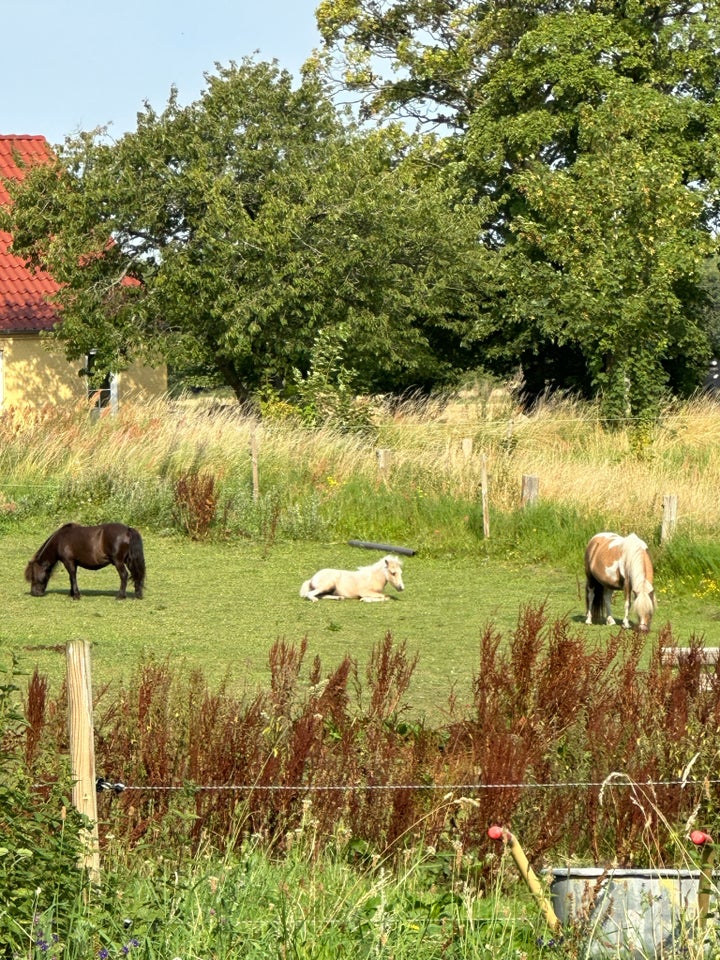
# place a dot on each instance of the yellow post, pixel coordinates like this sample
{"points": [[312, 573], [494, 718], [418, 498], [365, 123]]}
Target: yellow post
{"points": [[527, 873], [705, 883]]}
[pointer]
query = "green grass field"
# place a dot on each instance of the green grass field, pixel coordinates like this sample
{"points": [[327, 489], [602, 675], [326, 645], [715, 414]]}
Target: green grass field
{"points": [[219, 607], [220, 604]]}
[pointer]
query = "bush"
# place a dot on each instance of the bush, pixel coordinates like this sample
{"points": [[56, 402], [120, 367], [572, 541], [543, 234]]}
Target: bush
{"points": [[577, 750], [40, 841]]}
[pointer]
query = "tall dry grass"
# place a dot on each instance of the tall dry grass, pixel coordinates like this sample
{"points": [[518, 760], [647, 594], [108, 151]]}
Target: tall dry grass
{"points": [[64, 462], [580, 460]]}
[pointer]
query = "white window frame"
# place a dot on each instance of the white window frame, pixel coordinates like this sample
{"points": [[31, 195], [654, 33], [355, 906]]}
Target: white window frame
{"points": [[111, 401]]}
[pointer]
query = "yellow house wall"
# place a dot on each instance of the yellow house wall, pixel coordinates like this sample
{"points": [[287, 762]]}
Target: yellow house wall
{"points": [[34, 375]]}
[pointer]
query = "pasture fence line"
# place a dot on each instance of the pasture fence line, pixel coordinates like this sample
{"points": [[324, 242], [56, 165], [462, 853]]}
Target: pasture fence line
{"points": [[82, 754], [610, 781], [385, 458], [265, 790], [529, 488]]}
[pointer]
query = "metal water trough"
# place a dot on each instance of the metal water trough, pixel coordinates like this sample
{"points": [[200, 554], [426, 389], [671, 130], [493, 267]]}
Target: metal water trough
{"points": [[635, 913], [630, 913]]}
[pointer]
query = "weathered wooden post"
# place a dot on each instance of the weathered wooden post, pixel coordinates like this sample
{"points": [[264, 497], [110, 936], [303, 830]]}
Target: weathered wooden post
{"points": [[82, 750], [484, 495], [530, 489], [466, 445], [254, 462], [669, 518], [384, 460]]}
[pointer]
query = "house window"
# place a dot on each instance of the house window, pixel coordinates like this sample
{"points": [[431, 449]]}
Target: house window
{"points": [[104, 394]]}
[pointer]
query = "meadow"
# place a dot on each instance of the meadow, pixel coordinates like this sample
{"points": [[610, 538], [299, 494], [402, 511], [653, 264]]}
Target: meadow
{"points": [[220, 607], [235, 513], [227, 547]]}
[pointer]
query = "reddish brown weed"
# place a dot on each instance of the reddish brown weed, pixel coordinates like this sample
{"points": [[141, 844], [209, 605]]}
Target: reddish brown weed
{"points": [[578, 750]]}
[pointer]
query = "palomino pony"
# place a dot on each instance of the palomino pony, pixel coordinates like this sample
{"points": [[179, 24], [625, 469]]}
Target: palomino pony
{"points": [[613, 563], [91, 548], [365, 583]]}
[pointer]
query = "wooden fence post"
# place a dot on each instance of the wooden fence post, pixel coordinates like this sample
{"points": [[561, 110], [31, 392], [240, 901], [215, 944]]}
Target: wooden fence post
{"points": [[530, 489], [484, 494], [254, 462], [466, 445], [82, 750], [669, 518], [384, 460]]}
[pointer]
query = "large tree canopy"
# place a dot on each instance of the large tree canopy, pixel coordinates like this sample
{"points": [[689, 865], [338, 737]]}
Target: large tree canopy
{"points": [[592, 128], [236, 235]]}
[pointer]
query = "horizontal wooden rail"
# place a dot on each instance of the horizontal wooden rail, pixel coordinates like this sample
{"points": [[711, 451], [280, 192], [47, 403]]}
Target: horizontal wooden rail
{"points": [[706, 656]]}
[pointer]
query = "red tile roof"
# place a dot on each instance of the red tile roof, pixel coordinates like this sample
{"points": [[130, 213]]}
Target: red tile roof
{"points": [[23, 294], [17, 152]]}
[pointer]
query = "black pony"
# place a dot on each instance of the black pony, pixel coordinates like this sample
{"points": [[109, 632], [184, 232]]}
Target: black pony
{"points": [[91, 548]]}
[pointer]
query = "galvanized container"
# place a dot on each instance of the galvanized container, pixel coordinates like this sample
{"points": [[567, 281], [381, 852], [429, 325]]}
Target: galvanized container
{"points": [[629, 913]]}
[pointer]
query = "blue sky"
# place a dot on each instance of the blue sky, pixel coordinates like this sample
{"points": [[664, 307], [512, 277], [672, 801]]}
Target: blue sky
{"points": [[73, 66]]}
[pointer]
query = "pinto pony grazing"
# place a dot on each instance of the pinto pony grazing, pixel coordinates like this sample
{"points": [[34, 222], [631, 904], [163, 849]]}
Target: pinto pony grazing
{"points": [[613, 563], [91, 548], [365, 583]]}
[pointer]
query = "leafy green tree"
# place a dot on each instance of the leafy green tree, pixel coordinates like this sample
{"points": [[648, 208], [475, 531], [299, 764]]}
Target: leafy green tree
{"points": [[591, 129], [607, 254], [224, 237], [711, 286]]}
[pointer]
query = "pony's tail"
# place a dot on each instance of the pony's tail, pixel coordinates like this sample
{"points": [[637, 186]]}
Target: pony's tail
{"points": [[136, 562], [597, 607], [305, 588]]}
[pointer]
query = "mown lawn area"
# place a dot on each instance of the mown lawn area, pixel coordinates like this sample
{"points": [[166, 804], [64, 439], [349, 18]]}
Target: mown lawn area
{"points": [[219, 607]]}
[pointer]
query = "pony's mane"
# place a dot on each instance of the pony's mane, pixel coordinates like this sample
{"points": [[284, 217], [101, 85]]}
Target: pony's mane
{"points": [[53, 536], [39, 552], [635, 551], [381, 562]]}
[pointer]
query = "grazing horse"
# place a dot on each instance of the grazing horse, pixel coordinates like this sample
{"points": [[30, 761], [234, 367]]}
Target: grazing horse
{"points": [[91, 548], [365, 583], [613, 563]]}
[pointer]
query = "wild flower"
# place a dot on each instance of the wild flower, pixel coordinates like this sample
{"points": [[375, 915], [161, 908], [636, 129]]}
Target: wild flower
{"points": [[708, 588]]}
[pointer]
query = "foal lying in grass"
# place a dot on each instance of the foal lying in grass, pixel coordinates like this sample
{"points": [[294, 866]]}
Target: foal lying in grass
{"points": [[365, 583]]}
